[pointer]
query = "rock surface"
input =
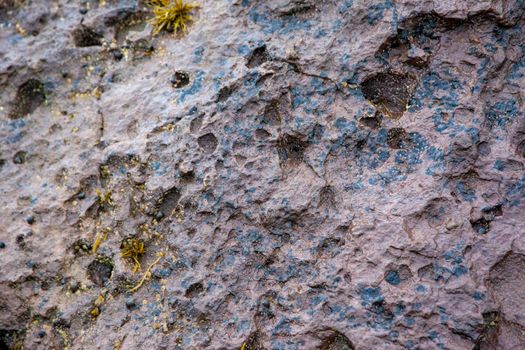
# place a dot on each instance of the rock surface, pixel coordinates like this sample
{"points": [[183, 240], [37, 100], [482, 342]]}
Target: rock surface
{"points": [[340, 174]]}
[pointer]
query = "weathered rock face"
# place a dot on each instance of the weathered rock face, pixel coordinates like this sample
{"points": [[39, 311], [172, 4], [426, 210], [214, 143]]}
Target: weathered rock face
{"points": [[302, 174]]}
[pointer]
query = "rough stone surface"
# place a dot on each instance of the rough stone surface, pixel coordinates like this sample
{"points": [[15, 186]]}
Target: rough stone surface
{"points": [[340, 174]]}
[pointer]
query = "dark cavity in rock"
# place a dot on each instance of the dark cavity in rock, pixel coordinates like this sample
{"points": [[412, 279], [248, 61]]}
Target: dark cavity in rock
{"points": [[194, 290], [224, 93], [373, 123], [99, 271], [169, 201], [20, 157], [290, 148], [389, 92], [30, 95], [253, 342], [258, 57], [271, 114], [86, 37], [520, 150], [337, 341], [208, 143], [180, 79], [397, 138]]}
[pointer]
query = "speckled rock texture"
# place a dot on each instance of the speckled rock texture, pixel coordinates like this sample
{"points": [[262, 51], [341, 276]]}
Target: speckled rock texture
{"points": [[339, 174]]}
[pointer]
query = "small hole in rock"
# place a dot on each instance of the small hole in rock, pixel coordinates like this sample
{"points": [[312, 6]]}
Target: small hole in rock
{"points": [[180, 79], [208, 142], [371, 122], [290, 148], [253, 342], [117, 54], [224, 93], [20, 157], [484, 148], [327, 196], [258, 57], [397, 138], [100, 270], [194, 290], [337, 341], [271, 114], [196, 123], [389, 92], [30, 95], [169, 201], [481, 225], [261, 134], [86, 37]]}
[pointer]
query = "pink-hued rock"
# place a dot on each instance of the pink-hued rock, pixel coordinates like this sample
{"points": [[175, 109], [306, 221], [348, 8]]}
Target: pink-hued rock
{"points": [[304, 175]]}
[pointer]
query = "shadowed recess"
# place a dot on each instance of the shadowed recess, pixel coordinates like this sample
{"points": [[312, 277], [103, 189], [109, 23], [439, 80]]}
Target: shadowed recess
{"points": [[389, 92], [86, 37], [30, 95], [208, 143], [337, 341]]}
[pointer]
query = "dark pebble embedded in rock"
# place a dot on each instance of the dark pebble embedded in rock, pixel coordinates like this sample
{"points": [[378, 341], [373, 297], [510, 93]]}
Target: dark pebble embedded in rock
{"points": [[117, 55], [74, 287], [30, 219], [2, 245], [131, 304]]}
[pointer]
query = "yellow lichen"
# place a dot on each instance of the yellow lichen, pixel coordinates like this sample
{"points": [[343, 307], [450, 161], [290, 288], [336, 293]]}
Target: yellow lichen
{"points": [[101, 236], [178, 212], [65, 338], [117, 345], [95, 311], [171, 15], [147, 273], [104, 198], [132, 248]]}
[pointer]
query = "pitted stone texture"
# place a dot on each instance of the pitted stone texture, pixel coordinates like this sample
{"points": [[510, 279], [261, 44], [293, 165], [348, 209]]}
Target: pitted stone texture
{"points": [[282, 204]]}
